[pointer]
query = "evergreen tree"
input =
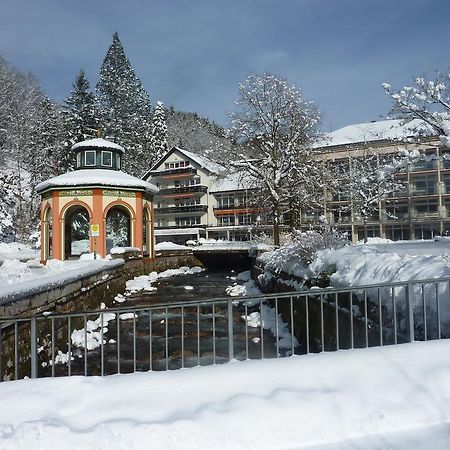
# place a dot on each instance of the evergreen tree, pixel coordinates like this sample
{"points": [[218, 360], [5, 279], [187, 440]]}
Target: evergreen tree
{"points": [[125, 107], [80, 111], [80, 119], [159, 133]]}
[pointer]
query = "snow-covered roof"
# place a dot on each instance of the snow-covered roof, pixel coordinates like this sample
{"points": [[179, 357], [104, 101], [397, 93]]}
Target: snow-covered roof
{"points": [[202, 161], [98, 143], [97, 177], [394, 129], [231, 182]]}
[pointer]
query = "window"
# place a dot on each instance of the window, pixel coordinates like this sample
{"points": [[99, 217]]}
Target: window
{"points": [[225, 201], [90, 158], [226, 220], [176, 164], [79, 160], [397, 211], [107, 159], [187, 221], [397, 232], [427, 207], [118, 161], [426, 185]]}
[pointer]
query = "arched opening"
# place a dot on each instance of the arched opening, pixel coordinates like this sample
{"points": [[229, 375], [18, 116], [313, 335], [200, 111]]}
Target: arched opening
{"points": [[76, 232], [48, 234], [147, 244], [118, 228]]}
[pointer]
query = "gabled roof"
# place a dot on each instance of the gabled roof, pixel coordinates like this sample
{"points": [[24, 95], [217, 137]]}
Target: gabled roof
{"points": [[205, 163]]}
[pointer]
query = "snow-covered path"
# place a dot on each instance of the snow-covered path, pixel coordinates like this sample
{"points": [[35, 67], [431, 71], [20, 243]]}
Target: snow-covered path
{"points": [[394, 397]]}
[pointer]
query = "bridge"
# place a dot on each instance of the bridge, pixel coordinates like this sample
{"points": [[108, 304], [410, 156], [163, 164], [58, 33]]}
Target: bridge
{"points": [[179, 335]]}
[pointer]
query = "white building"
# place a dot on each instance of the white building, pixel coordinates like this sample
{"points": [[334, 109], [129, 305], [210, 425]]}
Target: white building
{"points": [[199, 198]]}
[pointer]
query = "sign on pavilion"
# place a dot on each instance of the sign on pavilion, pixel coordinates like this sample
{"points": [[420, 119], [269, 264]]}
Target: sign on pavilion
{"points": [[96, 207]]}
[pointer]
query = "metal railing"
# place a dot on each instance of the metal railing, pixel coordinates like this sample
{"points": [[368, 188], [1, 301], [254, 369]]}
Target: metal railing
{"points": [[179, 335]]}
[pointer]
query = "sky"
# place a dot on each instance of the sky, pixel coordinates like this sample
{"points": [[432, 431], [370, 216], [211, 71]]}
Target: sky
{"points": [[192, 54]]}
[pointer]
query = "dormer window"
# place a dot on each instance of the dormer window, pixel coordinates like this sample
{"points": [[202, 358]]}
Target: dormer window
{"points": [[90, 158], [106, 159]]}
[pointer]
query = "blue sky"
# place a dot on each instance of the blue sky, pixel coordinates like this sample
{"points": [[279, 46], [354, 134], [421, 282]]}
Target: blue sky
{"points": [[193, 53]]}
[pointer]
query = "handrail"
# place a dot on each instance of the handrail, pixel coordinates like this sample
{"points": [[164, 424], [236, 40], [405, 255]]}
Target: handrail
{"points": [[306, 292]]}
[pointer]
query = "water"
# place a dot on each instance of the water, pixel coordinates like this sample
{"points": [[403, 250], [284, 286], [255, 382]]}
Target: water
{"points": [[166, 338]]}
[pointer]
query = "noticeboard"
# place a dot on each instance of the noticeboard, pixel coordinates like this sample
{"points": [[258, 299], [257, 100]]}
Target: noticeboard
{"points": [[95, 230]]}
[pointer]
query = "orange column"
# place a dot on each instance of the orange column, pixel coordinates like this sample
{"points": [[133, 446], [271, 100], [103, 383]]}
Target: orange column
{"points": [[43, 235], [138, 234], [58, 235], [97, 218], [152, 229]]}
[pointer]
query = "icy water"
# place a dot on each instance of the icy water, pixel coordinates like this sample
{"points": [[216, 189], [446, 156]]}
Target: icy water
{"points": [[167, 338]]}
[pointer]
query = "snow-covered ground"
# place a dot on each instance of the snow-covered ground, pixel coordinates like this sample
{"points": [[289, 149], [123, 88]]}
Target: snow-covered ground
{"points": [[18, 278], [16, 250], [384, 262], [379, 261], [396, 397]]}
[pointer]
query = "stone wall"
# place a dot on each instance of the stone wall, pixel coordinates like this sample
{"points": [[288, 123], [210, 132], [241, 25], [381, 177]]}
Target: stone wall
{"points": [[90, 291]]}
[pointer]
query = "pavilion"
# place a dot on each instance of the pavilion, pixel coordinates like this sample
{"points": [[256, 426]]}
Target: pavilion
{"points": [[96, 207]]}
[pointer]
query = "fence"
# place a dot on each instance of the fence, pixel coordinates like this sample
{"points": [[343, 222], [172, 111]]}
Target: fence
{"points": [[180, 335]]}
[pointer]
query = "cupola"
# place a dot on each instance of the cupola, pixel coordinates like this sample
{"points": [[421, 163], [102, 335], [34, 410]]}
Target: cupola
{"points": [[98, 153]]}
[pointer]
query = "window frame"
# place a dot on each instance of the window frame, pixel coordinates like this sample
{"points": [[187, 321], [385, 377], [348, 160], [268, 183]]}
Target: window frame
{"points": [[85, 158], [104, 152]]}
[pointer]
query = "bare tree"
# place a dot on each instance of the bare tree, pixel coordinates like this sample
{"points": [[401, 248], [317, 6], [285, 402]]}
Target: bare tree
{"points": [[273, 129], [427, 100]]}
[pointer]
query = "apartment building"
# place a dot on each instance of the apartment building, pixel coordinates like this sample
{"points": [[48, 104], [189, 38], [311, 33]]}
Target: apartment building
{"points": [[420, 211], [199, 198]]}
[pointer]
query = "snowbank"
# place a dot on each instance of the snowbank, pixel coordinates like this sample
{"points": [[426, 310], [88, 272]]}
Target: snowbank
{"points": [[383, 263], [16, 250], [377, 398], [19, 279], [170, 246]]}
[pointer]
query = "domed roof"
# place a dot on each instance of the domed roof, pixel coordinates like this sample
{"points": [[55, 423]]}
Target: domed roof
{"points": [[98, 143]]}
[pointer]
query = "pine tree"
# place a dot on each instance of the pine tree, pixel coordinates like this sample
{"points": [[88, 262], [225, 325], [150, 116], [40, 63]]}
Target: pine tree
{"points": [[159, 133], [80, 114], [125, 107], [80, 119]]}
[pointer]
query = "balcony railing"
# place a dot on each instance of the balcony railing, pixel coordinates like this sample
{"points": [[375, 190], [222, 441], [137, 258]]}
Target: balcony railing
{"points": [[182, 209], [178, 171], [197, 189]]}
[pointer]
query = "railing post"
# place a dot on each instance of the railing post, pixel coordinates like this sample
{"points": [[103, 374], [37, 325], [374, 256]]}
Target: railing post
{"points": [[33, 347], [230, 330], [409, 313]]}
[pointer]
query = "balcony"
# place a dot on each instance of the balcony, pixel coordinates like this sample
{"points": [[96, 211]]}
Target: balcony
{"points": [[182, 209], [197, 189], [171, 172]]}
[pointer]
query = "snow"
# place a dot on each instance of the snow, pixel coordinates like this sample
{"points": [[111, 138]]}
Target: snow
{"points": [[364, 264], [17, 250], [268, 317], [375, 131], [202, 161], [20, 279], [98, 143], [96, 177], [378, 398], [144, 282], [232, 182], [170, 246], [122, 250], [213, 244]]}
